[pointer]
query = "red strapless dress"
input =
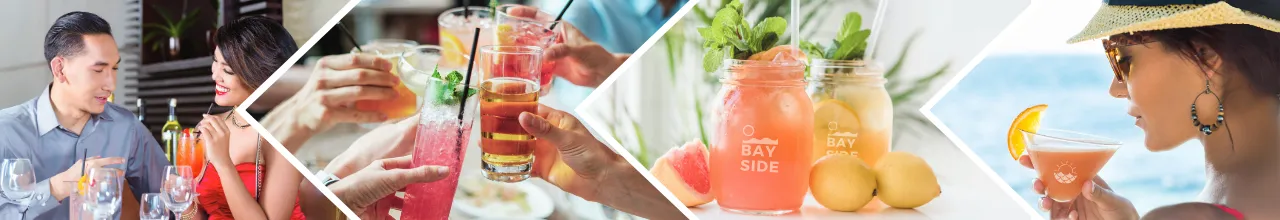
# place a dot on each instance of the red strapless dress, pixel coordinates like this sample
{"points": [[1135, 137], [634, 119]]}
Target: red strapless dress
{"points": [[213, 201]]}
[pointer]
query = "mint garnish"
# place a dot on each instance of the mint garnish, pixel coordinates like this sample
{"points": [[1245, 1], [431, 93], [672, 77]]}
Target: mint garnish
{"points": [[448, 90], [731, 33], [850, 43]]}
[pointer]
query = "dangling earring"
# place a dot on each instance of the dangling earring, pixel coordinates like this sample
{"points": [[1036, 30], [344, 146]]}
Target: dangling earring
{"points": [[1207, 129]]}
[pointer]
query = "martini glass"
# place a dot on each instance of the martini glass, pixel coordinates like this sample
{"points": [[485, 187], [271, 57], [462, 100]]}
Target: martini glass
{"points": [[1066, 160]]}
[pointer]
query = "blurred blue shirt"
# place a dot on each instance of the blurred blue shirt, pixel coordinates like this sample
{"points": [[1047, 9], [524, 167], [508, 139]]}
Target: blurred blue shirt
{"points": [[31, 130], [620, 26]]}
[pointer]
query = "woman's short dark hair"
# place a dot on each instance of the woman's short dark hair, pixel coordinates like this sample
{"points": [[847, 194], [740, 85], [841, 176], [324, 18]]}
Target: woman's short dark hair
{"points": [[1251, 52], [255, 47]]}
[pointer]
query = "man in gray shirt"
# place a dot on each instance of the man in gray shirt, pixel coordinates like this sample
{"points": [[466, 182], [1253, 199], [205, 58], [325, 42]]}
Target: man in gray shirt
{"points": [[72, 117]]}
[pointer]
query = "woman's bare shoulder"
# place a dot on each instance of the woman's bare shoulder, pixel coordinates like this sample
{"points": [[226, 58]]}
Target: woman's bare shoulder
{"points": [[1190, 210]]}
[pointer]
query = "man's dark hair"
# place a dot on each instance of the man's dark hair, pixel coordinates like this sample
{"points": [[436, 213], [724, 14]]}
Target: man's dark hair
{"points": [[66, 36]]}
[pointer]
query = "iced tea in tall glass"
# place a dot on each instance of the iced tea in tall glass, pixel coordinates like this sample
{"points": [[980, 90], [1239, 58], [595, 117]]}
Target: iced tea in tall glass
{"points": [[510, 87]]}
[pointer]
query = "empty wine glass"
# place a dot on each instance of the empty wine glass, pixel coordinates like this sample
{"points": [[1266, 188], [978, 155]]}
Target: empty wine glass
{"points": [[152, 207], [18, 180], [178, 190], [104, 192]]}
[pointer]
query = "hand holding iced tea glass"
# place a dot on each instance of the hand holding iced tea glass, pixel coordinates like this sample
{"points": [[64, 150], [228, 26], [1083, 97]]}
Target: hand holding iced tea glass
{"points": [[510, 87], [518, 25], [1066, 160]]}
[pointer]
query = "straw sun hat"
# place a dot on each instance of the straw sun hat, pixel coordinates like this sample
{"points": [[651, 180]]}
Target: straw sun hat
{"points": [[1128, 16]]}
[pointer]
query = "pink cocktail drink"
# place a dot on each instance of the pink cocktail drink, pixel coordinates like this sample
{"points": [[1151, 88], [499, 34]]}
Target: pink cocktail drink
{"points": [[444, 132], [521, 26], [438, 144]]}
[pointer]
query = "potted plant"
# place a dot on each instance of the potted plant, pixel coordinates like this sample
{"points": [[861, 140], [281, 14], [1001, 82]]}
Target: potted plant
{"points": [[169, 30]]}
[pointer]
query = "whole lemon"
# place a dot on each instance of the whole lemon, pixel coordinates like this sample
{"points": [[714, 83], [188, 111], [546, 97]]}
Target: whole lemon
{"points": [[842, 182], [905, 181]]}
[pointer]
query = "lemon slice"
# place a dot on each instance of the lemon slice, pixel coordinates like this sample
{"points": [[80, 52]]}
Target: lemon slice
{"points": [[1028, 120], [84, 180], [503, 33], [832, 118], [450, 42]]}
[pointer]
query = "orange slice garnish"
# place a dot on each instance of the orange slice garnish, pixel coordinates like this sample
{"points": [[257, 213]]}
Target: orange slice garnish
{"points": [[1028, 120]]}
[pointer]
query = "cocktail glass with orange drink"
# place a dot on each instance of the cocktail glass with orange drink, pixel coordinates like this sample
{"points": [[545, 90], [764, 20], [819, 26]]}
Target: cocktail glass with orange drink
{"points": [[1066, 160], [528, 28], [406, 102], [762, 153], [510, 87], [190, 150]]}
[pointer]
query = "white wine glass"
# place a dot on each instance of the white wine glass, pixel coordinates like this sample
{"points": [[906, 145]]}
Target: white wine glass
{"points": [[152, 207], [18, 180], [178, 190], [104, 192]]}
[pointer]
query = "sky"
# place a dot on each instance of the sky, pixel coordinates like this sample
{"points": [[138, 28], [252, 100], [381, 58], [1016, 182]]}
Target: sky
{"points": [[1045, 26]]}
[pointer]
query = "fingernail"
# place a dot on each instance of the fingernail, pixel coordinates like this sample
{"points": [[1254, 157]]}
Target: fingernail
{"points": [[440, 169], [1088, 191], [1044, 203]]}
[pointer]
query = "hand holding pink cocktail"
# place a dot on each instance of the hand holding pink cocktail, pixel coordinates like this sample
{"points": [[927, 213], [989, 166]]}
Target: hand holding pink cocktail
{"points": [[1066, 160]]}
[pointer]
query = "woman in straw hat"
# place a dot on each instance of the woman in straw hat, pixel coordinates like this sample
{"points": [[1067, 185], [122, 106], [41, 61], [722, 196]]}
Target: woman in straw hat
{"points": [[1194, 69]]}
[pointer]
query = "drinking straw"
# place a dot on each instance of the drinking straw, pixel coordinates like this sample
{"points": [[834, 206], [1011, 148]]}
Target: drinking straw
{"points": [[344, 30], [85, 153], [795, 21], [466, 10], [471, 62], [467, 79], [206, 112], [561, 15]]}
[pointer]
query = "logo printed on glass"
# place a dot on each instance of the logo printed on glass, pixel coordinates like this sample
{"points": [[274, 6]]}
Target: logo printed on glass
{"points": [[758, 153]]}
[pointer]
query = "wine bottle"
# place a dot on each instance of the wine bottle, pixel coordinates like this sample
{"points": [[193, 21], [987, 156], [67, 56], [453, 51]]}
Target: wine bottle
{"points": [[171, 132]]}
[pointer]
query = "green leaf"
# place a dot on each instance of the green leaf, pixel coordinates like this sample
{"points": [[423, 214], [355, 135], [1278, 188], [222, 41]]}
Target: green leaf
{"points": [[735, 5], [712, 59], [775, 25], [852, 23], [740, 45], [726, 18], [767, 41], [454, 77], [713, 36], [850, 44], [831, 49], [435, 72], [811, 49]]}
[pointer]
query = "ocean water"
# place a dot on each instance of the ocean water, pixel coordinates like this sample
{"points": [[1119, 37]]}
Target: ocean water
{"points": [[981, 107]]}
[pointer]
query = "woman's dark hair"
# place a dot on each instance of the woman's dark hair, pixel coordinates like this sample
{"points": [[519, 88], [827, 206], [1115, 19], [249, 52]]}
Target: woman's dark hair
{"points": [[255, 47], [1252, 52]]}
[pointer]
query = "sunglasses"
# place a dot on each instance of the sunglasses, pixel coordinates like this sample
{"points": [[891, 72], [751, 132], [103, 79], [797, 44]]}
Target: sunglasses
{"points": [[1120, 63]]}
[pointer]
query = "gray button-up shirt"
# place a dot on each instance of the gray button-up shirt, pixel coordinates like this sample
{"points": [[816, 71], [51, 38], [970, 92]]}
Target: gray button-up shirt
{"points": [[31, 130]]}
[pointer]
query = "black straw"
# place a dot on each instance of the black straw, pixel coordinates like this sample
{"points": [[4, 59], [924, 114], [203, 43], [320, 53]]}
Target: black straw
{"points": [[84, 163], [561, 15], [466, 83], [344, 30], [466, 10], [467, 79]]}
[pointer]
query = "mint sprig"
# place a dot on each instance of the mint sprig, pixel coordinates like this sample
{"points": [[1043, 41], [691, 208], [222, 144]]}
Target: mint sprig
{"points": [[731, 36], [850, 43], [447, 88]]}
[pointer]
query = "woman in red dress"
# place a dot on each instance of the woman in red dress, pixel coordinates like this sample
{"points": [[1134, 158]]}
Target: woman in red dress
{"points": [[244, 177]]}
